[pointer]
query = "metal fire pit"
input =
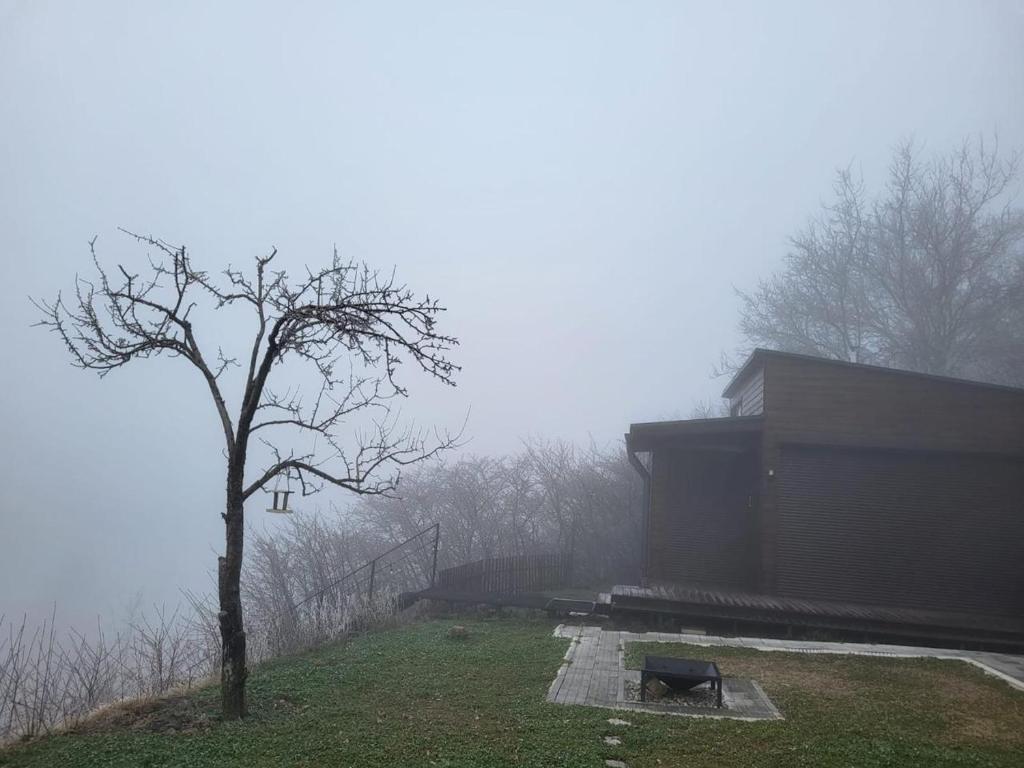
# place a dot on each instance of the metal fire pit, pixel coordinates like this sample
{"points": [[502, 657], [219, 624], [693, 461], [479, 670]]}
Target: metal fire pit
{"points": [[680, 674]]}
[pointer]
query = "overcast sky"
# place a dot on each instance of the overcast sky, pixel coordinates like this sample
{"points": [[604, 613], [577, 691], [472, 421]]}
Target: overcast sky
{"points": [[582, 185]]}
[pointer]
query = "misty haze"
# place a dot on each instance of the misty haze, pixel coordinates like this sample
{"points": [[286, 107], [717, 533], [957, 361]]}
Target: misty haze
{"points": [[534, 384]]}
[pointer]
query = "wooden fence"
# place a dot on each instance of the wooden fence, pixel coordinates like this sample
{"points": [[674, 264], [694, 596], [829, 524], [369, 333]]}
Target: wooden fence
{"points": [[508, 575]]}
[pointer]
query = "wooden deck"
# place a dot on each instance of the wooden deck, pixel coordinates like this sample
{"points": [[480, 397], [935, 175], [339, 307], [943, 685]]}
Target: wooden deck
{"points": [[719, 607]]}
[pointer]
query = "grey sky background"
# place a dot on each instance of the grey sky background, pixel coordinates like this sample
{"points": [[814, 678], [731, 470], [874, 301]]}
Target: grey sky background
{"points": [[582, 184]]}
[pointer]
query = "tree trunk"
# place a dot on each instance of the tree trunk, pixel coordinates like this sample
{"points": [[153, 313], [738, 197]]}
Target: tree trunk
{"points": [[229, 574]]}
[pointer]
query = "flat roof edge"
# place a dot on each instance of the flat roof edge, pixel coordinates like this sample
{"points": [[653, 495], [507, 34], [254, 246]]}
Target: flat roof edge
{"points": [[760, 353], [718, 426]]}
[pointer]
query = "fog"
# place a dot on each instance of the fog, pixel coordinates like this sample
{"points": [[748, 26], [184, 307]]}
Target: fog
{"points": [[583, 187]]}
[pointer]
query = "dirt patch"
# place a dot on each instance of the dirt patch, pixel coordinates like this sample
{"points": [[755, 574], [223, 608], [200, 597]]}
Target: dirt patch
{"points": [[807, 676], [285, 704], [977, 729], [174, 714]]}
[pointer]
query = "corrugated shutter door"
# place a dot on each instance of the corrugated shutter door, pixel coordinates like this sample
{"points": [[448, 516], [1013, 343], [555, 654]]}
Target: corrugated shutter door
{"points": [[703, 532], [907, 529]]}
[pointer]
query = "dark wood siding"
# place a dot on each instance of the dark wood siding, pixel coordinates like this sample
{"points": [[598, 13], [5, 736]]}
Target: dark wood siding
{"points": [[701, 529], [749, 397], [810, 400], [911, 529]]}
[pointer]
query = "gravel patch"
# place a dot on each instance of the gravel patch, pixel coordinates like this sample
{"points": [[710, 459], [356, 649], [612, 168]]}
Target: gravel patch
{"points": [[702, 696]]}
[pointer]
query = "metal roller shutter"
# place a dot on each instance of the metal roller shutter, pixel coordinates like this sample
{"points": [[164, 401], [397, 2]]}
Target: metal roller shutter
{"points": [[703, 531], [909, 529]]}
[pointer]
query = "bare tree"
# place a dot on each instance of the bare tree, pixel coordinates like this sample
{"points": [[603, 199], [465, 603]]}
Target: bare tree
{"points": [[818, 304], [709, 409], [928, 276], [352, 325]]}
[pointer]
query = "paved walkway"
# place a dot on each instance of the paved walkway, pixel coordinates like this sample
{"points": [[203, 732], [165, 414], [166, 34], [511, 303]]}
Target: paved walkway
{"points": [[593, 672]]}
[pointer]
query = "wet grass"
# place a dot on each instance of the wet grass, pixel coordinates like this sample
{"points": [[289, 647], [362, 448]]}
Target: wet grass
{"points": [[415, 697]]}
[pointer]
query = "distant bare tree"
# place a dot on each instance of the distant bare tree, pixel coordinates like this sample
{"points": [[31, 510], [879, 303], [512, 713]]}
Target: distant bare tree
{"points": [[709, 409], [352, 325], [928, 276]]}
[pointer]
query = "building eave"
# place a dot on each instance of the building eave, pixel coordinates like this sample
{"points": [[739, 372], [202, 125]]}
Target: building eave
{"points": [[644, 435], [759, 355]]}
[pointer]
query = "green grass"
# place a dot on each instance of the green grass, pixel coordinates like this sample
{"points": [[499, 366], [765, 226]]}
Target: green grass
{"points": [[414, 697]]}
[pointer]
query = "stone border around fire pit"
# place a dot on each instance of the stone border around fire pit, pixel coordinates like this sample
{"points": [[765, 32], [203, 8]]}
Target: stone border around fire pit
{"points": [[593, 674]]}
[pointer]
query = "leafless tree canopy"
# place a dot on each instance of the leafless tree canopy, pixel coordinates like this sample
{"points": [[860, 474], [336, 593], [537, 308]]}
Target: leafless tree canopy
{"points": [[350, 322], [928, 275]]}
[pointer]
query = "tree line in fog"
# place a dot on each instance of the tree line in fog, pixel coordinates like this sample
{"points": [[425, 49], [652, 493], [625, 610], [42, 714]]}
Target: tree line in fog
{"points": [[550, 496]]}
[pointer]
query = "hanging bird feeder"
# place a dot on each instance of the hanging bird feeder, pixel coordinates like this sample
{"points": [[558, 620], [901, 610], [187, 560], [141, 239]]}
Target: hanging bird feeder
{"points": [[280, 505]]}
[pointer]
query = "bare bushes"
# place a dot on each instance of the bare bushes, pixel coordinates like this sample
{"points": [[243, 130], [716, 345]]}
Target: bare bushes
{"points": [[294, 599], [319, 622], [315, 581], [50, 679], [282, 578], [47, 679]]}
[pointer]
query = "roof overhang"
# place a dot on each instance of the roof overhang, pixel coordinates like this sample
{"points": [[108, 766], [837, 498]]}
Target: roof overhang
{"points": [[727, 430]]}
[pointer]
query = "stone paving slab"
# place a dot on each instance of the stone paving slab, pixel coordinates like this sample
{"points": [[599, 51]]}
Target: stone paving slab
{"points": [[593, 671]]}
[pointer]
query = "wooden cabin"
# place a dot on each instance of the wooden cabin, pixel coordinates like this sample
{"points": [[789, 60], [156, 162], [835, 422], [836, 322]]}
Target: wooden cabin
{"points": [[839, 483]]}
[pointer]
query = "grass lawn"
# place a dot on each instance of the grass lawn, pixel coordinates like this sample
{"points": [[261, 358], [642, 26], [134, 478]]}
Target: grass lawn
{"points": [[412, 697]]}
